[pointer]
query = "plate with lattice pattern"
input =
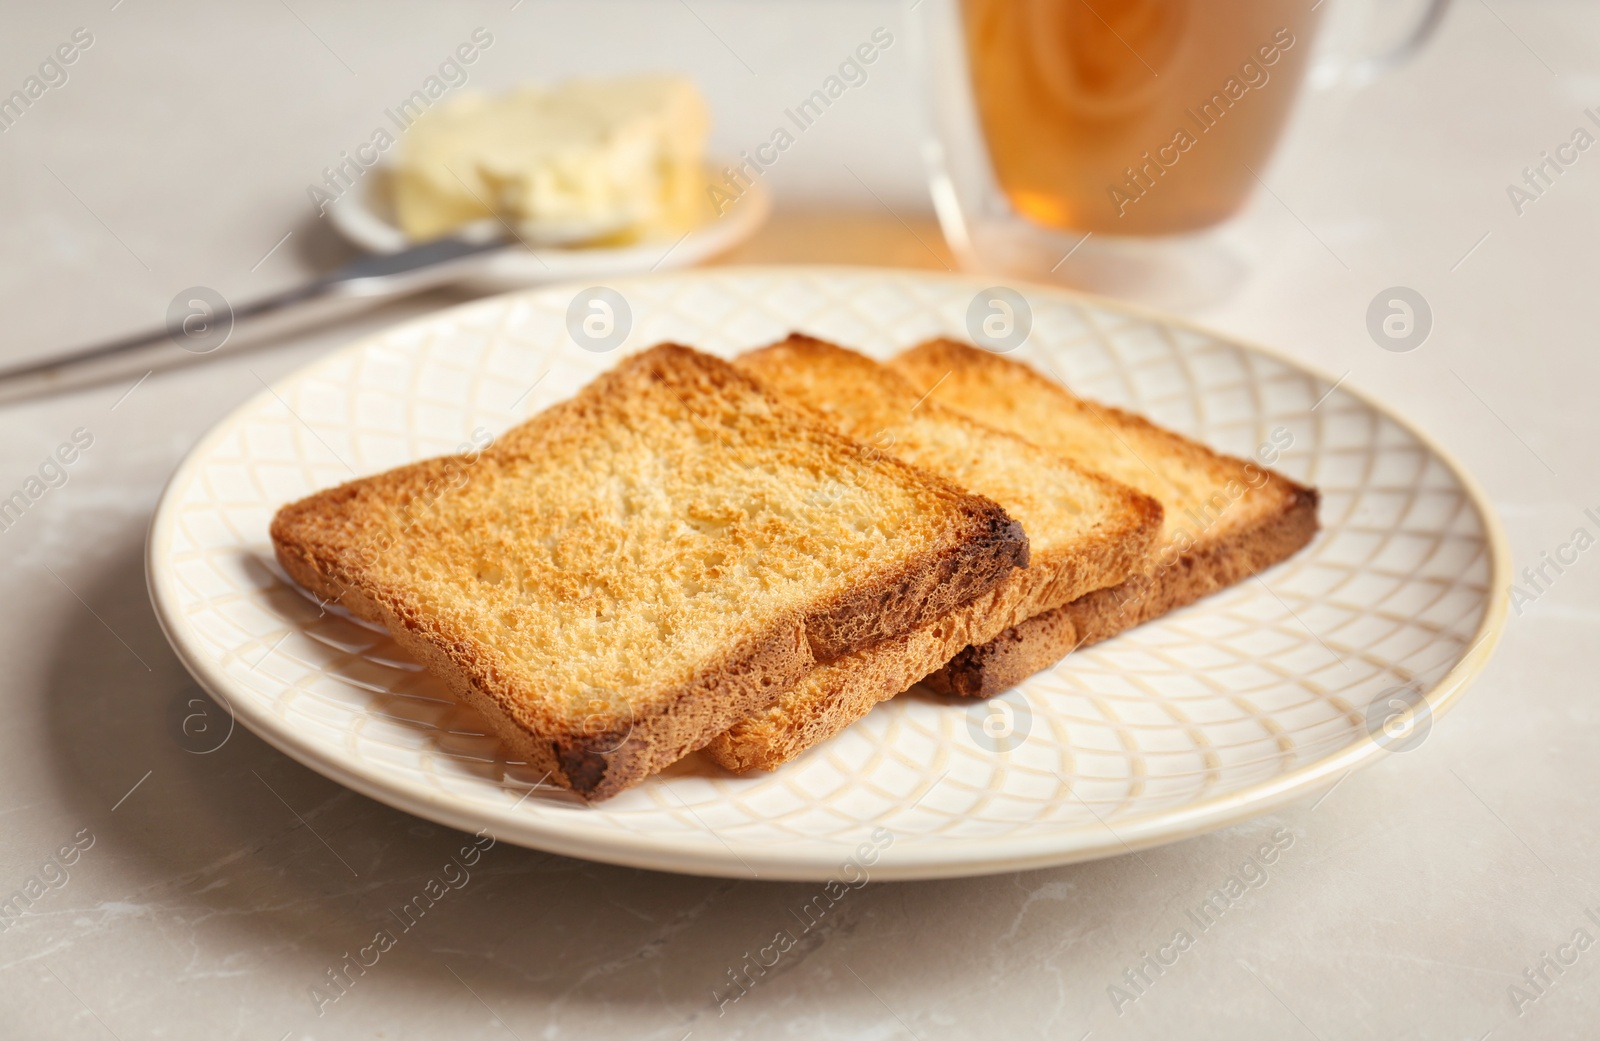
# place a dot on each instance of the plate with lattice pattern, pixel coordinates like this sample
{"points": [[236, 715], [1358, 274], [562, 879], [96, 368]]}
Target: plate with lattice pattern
{"points": [[1255, 696]]}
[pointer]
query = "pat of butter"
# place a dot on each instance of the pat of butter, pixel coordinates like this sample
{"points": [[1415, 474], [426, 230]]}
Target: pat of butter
{"points": [[589, 160]]}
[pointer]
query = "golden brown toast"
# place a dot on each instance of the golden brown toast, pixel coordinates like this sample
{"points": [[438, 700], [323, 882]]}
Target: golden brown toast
{"points": [[626, 575], [1085, 532], [1225, 518]]}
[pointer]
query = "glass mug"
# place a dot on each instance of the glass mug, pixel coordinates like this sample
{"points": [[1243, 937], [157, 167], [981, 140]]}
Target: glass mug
{"points": [[1097, 142]]}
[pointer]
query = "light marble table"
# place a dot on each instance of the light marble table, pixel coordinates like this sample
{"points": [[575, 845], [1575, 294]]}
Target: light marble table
{"points": [[217, 890]]}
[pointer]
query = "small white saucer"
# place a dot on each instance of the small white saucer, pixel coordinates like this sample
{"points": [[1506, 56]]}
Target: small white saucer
{"points": [[363, 216]]}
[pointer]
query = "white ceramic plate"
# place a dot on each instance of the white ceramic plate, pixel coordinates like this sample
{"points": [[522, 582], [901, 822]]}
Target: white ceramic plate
{"points": [[1254, 697], [363, 216]]}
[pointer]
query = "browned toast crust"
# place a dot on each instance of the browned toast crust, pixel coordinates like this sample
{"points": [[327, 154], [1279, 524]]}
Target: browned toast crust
{"points": [[1277, 516], [988, 669], [1102, 538], [353, 544]]}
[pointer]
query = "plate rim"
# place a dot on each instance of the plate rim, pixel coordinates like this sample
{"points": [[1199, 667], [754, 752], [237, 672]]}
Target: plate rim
{"points": [[816, 862]]}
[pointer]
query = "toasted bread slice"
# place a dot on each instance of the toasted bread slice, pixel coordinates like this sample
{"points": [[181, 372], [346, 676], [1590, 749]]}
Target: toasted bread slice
{"points": [[623, 577], [1085, 531], [1225, 518]]}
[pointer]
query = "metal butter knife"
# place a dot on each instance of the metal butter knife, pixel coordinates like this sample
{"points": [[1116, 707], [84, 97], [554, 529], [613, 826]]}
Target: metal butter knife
{"points": [[200, 331]]}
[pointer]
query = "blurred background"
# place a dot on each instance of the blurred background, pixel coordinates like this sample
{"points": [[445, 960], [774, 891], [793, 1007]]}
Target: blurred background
{"points": [[178, 152]]}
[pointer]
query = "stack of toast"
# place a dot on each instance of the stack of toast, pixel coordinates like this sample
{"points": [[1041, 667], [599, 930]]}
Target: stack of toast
{"points": [[745, 557]]}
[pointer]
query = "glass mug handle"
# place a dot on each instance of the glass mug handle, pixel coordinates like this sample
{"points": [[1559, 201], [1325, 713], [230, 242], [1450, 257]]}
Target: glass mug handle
{"points": [[1332, 67]]}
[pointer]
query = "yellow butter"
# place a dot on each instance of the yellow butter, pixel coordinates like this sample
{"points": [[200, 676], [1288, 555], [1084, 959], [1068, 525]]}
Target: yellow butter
{"points": [[588, 160]]}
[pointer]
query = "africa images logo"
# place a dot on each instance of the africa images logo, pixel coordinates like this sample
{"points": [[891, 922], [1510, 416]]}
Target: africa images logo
{"points": [[1253, 75]]}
